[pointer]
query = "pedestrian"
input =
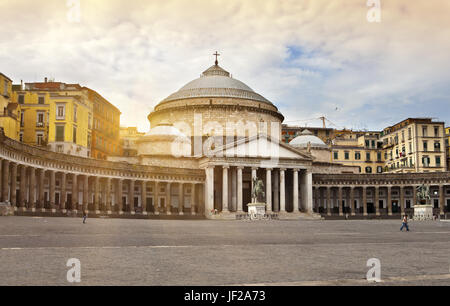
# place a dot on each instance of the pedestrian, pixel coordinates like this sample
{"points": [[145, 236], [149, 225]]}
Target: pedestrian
{"points": [[84, 216], [405, 223]]}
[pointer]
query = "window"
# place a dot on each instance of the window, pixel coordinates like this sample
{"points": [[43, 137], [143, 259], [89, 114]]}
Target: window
{"points": [[59, 148], [425, 131], [367, 155], [357, 155], [22, 115], [425, 146], [437, 146], [438, 161], [368, 169], [379, 169], [40, 119], [336, 155], [59, 133], [21, 137], [60, 112], [90, 121], [347, 155], [74, 113], [41, 100], [74, 134], [379, 156], [426, 161], [39, 139], [436, 131]]}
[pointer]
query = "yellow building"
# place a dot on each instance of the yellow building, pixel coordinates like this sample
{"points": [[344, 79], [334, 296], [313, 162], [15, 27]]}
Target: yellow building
{"points": [[128, 138], [415, 145], [56, 115], [289, 132], [9, 111], [360, 149]]}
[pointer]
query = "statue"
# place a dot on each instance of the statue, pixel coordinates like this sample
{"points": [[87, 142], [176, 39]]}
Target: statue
{"points": [[258, 190], [423, 193]]}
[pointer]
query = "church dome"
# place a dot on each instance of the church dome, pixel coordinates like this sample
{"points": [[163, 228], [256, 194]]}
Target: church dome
{"points": [[216, 82], [305, 137], [165, 130]]}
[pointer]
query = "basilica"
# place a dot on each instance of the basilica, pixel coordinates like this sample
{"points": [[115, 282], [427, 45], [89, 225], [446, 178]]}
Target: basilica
{"points": [[206, 143]]}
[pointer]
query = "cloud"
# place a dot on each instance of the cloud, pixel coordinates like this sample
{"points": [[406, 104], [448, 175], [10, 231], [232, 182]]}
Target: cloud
{"points": [[308, 57]]}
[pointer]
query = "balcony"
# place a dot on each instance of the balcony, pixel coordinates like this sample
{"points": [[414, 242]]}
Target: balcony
{"points": [[40, 124]]}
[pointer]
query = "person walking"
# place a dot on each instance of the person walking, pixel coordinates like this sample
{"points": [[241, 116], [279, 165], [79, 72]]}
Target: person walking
{"points": [[405, 223], [84, 216]]}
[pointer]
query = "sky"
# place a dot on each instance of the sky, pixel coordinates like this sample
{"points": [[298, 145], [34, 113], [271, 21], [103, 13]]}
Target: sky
{"points": [[310, 58]]}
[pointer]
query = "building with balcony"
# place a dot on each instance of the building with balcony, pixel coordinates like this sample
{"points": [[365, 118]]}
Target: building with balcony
{"points": [[415, 145], [9, 111], [289, 132]]}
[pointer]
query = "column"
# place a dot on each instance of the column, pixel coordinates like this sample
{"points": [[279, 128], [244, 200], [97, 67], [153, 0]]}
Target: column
{"points": [[239, 190], [340, 200], [309, 192], [254, 175], [23, 186], [441, 199], [295, 190], [276, 194], [52, 190], [41, 189], [328, 200], [268, 190], [85, 192], [402, 199], [352, 201], [144, 197], [131, 196], [377, 200], [119, 196], [169, 198], [156, 200], [225, 189], [282, 191], [181, 199], [414, 195], [364, 200], [32, 190], [74, 192], [193, 199], [5, 181], [389, 200], [63, 193], [234, 189], [108, 196], [14, 185], [97, 195]]}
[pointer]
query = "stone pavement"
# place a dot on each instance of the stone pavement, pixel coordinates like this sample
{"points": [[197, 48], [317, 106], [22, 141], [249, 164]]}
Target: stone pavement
{"points": [[34, 251]]}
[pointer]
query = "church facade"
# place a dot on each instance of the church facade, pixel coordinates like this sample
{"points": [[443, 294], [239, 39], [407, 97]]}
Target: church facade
{"points": [[206, 143]]}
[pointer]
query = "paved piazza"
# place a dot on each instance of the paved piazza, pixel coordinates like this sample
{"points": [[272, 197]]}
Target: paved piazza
{"points": [[34, 251]]}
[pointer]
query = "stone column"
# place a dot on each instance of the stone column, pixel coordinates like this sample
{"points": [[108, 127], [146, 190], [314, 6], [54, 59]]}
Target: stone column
{"points": [[276, 188], [414, 195], [239, 190], [85, 192], [169, 198], [234, 189], [97, 195], [283, 191], [377, 200], [52, 190], [74, 192], [340, 200], [352, 201], [364, 200], [41, 189], [254, 175], [156, 200], [389, 200], [402, 199], [120, 195], [23, 186], [181, 199], [295, 190], [131, 196], [193, 199], [225, 189], [63, 193], [309, 192], [328, 200], [14, 185], [441, 199], [5, 181], [32, 190], [144, 197], [108, 196], [268, 190]]}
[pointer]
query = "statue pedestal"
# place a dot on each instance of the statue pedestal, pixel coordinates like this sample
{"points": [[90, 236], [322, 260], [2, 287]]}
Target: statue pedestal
{"points": [[6, 209], [423, 212], [256, 210]]}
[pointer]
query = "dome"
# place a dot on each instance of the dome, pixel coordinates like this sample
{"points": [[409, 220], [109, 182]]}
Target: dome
{"points": [[306, 137], [216, 82], [166, 130]]}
